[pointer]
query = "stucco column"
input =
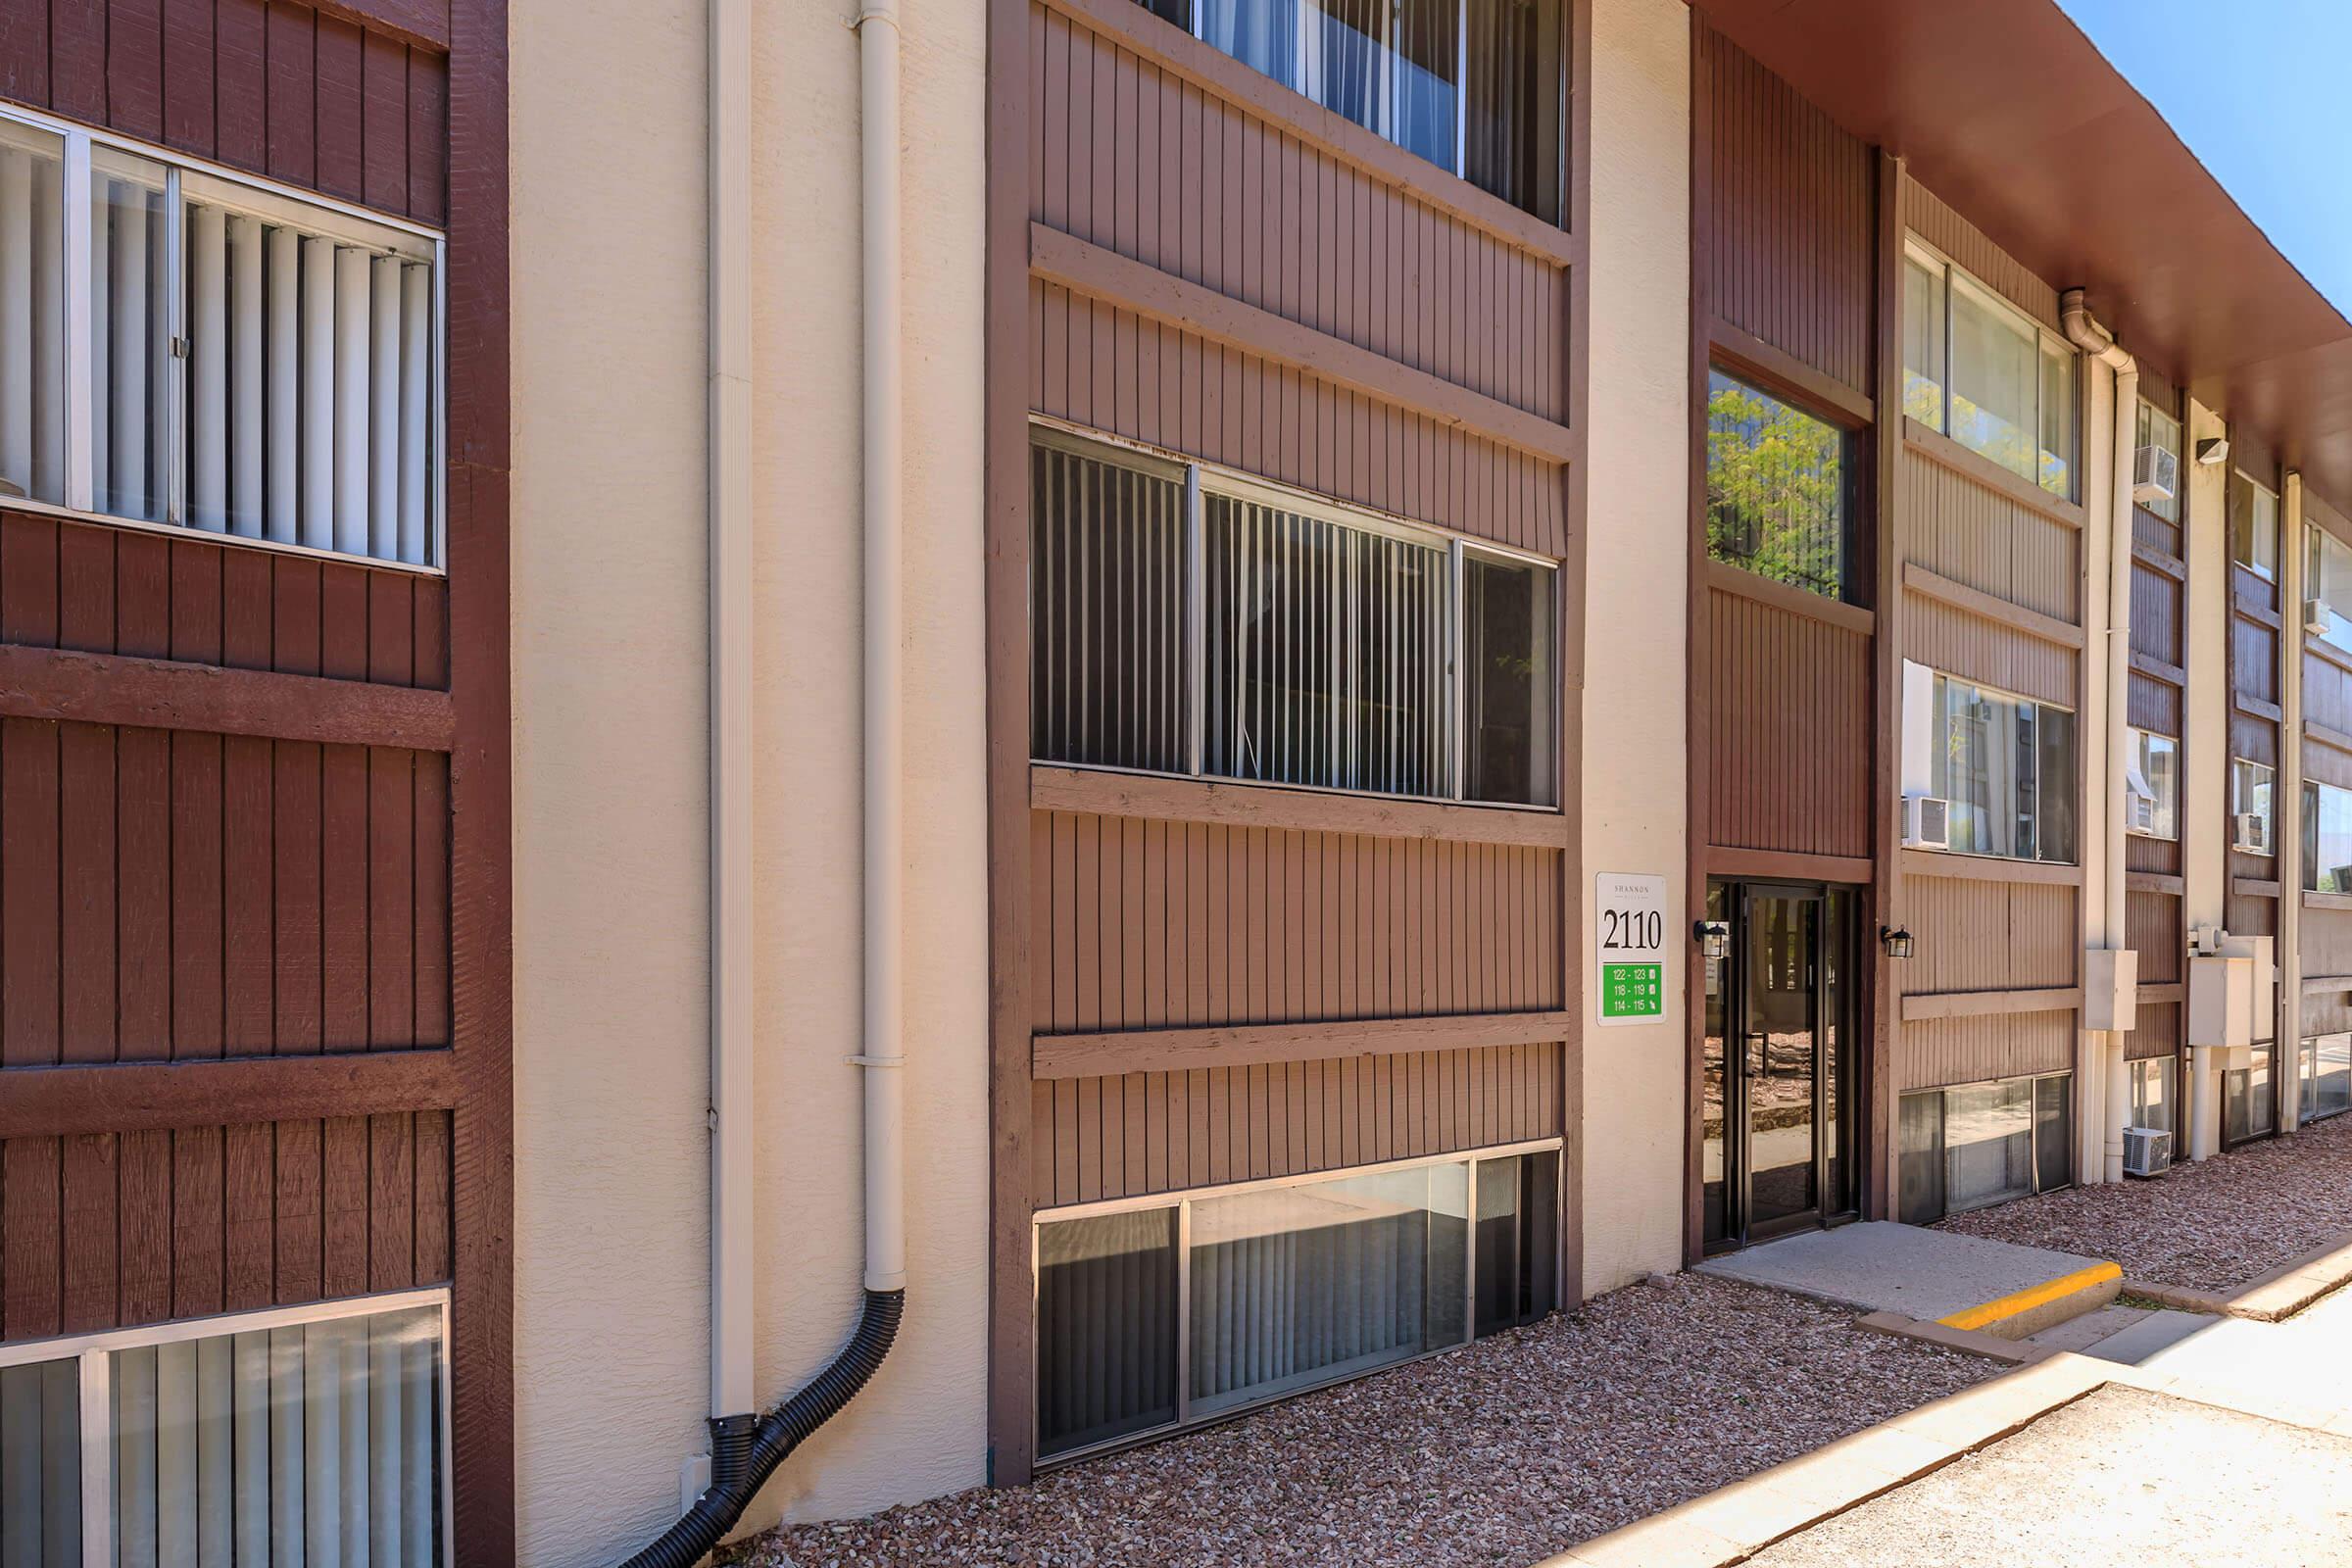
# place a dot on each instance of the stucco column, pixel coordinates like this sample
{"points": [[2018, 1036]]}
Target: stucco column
{"points": [[2287, 798], [1637, 516], [2095, 1051], [2205, 743]]}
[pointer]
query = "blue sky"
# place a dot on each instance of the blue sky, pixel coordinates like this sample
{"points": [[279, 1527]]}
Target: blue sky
{"points": [[2255, 88]]}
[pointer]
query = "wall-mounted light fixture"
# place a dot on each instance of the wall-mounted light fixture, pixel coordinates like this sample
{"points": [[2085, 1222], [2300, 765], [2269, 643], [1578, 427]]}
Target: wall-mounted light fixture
{"points": [[1714, 937], [1896, 939], [2213, 449]]}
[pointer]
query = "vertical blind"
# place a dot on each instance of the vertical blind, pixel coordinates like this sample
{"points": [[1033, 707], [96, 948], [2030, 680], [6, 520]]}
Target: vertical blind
{"points": [[40, 1466], [1236, 636], [252, 364], [1151, 1317]]}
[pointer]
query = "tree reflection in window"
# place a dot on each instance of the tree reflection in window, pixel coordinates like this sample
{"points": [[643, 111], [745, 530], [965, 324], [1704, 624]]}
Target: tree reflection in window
{"points": [[1776, 489]]}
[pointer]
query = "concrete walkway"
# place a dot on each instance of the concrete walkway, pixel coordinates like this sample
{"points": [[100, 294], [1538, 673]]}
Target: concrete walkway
{"points": [[1963, 1282]]}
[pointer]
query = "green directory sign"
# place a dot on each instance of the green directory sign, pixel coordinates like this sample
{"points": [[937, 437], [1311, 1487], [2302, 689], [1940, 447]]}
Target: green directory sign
{"points": [[1629, 933]]}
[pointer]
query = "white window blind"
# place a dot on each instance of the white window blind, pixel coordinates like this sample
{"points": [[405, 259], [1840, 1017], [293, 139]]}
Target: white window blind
{"points": [[228, 358]]}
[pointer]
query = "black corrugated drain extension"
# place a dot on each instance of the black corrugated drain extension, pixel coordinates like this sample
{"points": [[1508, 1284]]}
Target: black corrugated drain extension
{"points": [[741, 1461]]}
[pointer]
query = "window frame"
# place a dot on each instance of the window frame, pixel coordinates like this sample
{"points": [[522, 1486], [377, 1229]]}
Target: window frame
{"points": [[2318, 541], [2144, 741], [2310, 1113], [1854, 540], [2314, 797], [1203, 480], [2278, 528], [2033, 1082], [1982, 689], [93, 1354], [1919, 249], [2269, 812], [1182, 1201], [254, 195]]}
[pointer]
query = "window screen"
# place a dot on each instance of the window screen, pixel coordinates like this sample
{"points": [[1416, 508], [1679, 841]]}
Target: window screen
{"points": [[32, 315]]}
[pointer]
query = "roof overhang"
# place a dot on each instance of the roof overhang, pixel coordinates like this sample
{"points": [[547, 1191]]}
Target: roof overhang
{"points": [[2008, 112]]}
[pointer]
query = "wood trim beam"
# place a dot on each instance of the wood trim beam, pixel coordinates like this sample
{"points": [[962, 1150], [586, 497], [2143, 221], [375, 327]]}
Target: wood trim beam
{"points": [[2156, 993], [1138, 31], [2321, 985], [1948, 453], [2255, 610], [1152, 796], [1988, 868], [1922, 1007], [2158, 561], [1725, 579], [2155, 669], [1101, 273], [145, 1096], [424, 21], [2327, 900], [2155, 882], [2335, 740], [1988, 606], [2254, 707], [1096, 1055], [1752, 359], [2255, 887], [1785, 866], [60, 684]]}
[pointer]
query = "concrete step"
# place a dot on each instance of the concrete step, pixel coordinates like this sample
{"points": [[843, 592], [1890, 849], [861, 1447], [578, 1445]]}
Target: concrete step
{"points": [[1963, 1282]]}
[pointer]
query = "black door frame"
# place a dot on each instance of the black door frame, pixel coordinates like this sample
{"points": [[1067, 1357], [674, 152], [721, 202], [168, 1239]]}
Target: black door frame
{"points": [[1830, 1134]]}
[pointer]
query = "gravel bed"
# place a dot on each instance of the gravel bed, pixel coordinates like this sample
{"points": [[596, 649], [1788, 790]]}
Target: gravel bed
{"points": [[1497, 1454], [2211, 1226]]}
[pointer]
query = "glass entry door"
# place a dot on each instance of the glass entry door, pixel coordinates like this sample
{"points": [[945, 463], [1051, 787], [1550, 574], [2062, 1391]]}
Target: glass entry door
{"points": [[1777, 1120]]}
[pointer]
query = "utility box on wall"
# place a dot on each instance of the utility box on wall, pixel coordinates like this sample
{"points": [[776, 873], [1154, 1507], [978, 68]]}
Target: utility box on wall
{"points": [[2233, 990], [2111, 990]]}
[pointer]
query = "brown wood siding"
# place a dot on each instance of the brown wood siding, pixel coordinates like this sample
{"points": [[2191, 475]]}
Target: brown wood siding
{"points": [[1154, 924], [1983, 540], [198, 1220], [2156, 1031], [1792, 217], [1975, 649], [2145, 854], [2152, 929], [1960, 1050], [267, 85], [1788, 752], [1106, 367], [1976, 935], [2327, 944], [2156, 626], [179, 894], [1157, 1132], [1193, 186], [2327, 689], [93, 588]]}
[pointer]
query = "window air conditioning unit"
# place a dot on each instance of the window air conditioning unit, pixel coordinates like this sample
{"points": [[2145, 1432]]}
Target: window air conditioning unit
{"points": [[2250, 831], [2317, 619], [1927, 822], [2147, 1152], [2155, 475], [2140, 813]]}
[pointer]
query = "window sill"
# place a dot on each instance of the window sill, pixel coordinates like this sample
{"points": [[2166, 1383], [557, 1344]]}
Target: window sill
{"points": [[1107, 792], [194, 535], [1963, 866]]}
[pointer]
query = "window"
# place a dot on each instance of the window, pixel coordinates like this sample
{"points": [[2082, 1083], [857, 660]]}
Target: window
{"points": [[2327, 837], [1475, 86], [1776, 489], [2152, 785], [2253, 527], [1280, 1286], [2006, 765], [2328, 580], [2324, 1074], [2249, 1112], [1188, 621], [2161, 430], [2253, 823], [2152, 1092], [1977, 1145], [243, 1438], [1980, 370], [253, 364]]}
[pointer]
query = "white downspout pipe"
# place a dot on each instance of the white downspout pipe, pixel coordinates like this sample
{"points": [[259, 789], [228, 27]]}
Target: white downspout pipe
{"points": [[885, 644], [733, 1391], [2084, 332]]}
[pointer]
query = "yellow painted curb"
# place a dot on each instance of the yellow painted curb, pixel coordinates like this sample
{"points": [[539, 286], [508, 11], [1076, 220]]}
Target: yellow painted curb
{"points": [[2031, 1296]]}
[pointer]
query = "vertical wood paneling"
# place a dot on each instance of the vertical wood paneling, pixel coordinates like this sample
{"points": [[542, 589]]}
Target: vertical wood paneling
{"points": [[2152, 929], [1788, 744], [1960, 1050], [1792, 218], [1352, 943], [1939, 226], [209, 1219], [1982, 539], [1952, 640], [1976, 935], [2156, 1031], [1156, 1132]]}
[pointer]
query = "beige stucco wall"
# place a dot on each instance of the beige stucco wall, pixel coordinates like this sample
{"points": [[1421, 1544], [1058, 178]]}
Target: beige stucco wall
{"points": [[1635, 688], [611, 776]]}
